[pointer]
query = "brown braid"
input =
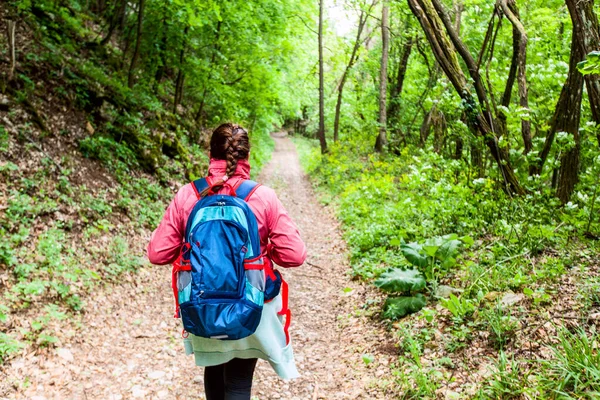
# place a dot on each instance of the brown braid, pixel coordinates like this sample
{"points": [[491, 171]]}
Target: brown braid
{"points": [[229, 142]]}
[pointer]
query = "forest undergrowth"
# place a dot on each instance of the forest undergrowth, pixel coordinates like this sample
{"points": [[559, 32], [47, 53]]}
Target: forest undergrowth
{"points": [[87, 167], [503, 293]]}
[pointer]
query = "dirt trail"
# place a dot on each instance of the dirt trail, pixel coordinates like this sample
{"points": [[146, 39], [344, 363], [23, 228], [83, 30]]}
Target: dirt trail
{"points": [[129, 345]]}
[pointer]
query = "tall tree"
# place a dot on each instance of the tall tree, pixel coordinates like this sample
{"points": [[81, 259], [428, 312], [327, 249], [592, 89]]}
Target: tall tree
{"points": [[213, 57], [396, 90], [321, 132], [446, 44], [585, 35], [585, 21], [567, 113], [118, 14], [180, 74], [138, 40], [385, 37], [10, 35], [519, 63], [362, 20]]}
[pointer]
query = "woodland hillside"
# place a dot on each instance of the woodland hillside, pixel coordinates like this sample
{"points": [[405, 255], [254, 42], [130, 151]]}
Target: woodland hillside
{"points": [[105, 111], [456, 141]]}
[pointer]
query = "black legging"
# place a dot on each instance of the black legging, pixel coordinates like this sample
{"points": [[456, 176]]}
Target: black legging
{"points": [[229, 381]]}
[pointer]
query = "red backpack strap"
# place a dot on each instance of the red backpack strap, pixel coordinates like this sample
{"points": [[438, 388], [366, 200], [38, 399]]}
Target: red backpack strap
{"points": [[181, 264], [285, 311]]}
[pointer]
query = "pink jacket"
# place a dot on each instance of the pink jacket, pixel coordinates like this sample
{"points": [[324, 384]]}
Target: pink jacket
{"points": [[278, 233]]}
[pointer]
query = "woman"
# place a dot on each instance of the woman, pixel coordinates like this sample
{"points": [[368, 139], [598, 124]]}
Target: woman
{"points": [[230, 363]]}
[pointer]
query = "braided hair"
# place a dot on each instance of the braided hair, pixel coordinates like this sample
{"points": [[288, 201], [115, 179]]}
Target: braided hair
{"points": [[229, 142]]}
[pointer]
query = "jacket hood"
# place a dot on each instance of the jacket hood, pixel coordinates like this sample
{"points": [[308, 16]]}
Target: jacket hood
{"points": [[217, 169]]}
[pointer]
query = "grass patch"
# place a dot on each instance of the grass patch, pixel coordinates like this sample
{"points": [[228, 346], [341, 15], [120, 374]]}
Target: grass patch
{"points": [[520, 258]]}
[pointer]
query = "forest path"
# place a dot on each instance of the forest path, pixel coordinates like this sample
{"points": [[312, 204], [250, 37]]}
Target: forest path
{"points": [[129, 345]]}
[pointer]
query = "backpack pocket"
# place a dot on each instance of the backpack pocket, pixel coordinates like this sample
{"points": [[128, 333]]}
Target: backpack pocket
{"points": [[272, 284], [254, 295], [184, 286], [221, 319], [218, 259]]}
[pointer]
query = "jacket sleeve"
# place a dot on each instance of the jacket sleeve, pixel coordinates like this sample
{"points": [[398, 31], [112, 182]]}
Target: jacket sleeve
{"points": [[286, 248], [166, 240]]}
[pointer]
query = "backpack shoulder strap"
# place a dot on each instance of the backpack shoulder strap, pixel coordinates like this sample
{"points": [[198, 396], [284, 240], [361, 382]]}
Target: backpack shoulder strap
{"points": [[199, 186], [246, 189]]}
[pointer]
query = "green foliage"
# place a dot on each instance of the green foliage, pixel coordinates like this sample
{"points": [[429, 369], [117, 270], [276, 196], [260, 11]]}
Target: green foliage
{"points": [[8, 346], [233, 71], [3, 139], [415, 381], [398, 307], [500, 324], [117, 156], [508, 380], [438, 253], [368, 358], [591, 65], [41, 332], [460, 307], [575, 370], [401, 281], [121, 259]]}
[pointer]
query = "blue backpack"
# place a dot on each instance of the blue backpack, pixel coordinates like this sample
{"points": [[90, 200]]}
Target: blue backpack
{"points": [[221, 280]]}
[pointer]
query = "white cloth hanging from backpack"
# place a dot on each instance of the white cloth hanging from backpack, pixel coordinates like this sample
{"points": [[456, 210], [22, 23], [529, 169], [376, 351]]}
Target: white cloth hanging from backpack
{"points": [[267, 343]]}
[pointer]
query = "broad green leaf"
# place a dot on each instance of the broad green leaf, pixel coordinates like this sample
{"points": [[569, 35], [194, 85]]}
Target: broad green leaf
{"points": [[458, 306], [412, 252], [467, 240], [401, 281], [591, 65], [449, 262], [398, 307], [448, 250], [431, 250], [395, 242]]}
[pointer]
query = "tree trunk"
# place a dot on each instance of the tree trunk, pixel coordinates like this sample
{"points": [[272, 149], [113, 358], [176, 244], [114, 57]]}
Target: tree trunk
{"points": [[435, 120], [178, 89], [588, 32], [458, 10], [213, 57], [438, 123], [397, 88], [180, 73], [425, 129], [353, 57], [385, 35], [435, 6], [321, 133], [127, 32], [12, 52], [136, 52], [509, 7], [445, 45], [198, 116], [116, 18], [568, 174], [458, 150], [162, 53], [477, 158]]}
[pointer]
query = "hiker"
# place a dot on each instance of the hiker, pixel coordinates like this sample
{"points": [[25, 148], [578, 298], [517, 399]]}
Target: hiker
{"points": [[230, 364]]}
